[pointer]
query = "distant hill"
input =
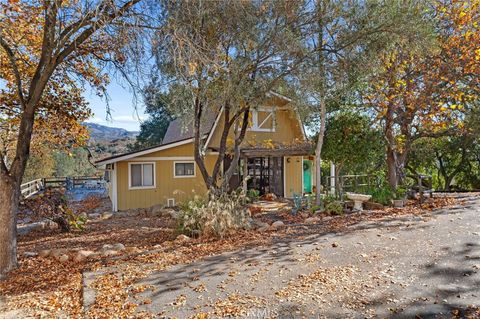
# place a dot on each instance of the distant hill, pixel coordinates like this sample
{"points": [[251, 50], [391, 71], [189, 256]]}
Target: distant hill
{"points": [[100, 132], [107, 141]]}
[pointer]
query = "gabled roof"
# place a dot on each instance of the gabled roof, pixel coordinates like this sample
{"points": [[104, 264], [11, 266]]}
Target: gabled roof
{"points": [[125, 156], [180, 132], [181, 128]]}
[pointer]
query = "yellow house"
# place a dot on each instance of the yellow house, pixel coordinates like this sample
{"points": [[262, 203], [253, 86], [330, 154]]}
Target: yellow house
{"points": [[274, 156]]}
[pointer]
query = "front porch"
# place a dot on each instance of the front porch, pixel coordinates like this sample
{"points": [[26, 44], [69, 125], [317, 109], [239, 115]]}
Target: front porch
{"points": [[284, 171]]}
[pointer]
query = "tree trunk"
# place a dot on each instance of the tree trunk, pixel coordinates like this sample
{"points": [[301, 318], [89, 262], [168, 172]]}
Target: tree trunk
{"points": [[323, 108], [9, 197], [318, 153], [392, 169]]}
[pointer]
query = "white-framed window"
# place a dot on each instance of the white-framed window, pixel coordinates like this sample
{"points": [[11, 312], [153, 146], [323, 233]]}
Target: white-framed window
{"points": [[141, 175], [184, 169], [263, 120]]}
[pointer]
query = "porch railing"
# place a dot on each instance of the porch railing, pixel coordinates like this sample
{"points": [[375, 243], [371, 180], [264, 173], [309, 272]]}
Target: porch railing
{"points": [[350, 183], [31, 188]]}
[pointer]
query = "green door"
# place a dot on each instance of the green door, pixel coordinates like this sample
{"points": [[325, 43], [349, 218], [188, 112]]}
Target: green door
{"points": [[307, 176]]}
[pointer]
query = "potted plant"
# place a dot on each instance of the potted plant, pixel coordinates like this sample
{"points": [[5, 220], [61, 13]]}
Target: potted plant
{"points": [[400, 197]]}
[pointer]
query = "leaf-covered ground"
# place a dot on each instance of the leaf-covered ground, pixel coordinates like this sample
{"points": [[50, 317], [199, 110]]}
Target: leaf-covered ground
{"points": [[125, 285]]}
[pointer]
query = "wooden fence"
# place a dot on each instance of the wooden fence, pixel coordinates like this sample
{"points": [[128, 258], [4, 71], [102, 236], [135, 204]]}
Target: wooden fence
{"points": [[34, 187]]}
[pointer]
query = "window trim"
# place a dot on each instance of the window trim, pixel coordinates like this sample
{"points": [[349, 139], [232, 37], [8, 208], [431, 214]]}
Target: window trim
{"points": [[130, 187], [184, 176], [256, 127]]}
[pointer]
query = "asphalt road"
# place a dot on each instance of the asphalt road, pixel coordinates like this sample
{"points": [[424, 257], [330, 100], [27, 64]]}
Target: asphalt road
{"points": [[418, 266]]}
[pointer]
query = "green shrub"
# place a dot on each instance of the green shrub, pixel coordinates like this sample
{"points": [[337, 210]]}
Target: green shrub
{"points": [[219, 216], [401, 192], [253, 194], [382, 195], [334, 208]]}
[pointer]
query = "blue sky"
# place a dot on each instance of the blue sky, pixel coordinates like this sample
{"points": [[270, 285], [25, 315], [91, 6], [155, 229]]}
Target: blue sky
{"points": [[122, 108]]}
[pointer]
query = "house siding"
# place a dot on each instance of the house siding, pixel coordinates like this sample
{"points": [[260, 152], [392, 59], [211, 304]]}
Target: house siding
{"points": [[167, 186], [287, 131], [293, 175]]}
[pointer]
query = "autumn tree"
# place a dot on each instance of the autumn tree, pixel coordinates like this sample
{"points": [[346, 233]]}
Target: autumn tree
{"points": [[47, 50], [343, 37], [227, 56], [423, 93], [152, 130]]}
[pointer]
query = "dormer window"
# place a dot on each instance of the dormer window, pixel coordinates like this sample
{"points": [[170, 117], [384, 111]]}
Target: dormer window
{"points": [[263, 120]]}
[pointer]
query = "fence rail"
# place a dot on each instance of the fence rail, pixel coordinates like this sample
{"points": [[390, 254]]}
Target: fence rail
{"points": [[31, 188], [34, 187]]}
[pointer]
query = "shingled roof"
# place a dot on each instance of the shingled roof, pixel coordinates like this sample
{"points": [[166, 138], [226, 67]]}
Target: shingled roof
{"points": [[182, 128]]}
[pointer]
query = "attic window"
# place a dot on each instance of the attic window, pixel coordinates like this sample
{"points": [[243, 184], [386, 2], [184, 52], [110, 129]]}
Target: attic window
{"points": [[263, 121], [141, 175]]}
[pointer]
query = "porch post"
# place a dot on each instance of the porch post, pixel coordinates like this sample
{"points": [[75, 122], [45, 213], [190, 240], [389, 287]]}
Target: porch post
{"points": [[332, 178], [245, 173]]}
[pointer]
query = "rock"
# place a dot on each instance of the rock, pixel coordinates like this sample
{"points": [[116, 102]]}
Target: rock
{"points": [[83, 215], [107, 247], [174, 214], [335, 244], [155, 210], [118, 247], [312, 220], [373, 206], [56, 253], [278, 224], [29, 254], [264, 228], [107, 215], [51, 225], [182, 238], [107, 253], [44, 253], [83, 255], [259, 224], [62, 258], [134, 250], [94, 216], [26, 220]]}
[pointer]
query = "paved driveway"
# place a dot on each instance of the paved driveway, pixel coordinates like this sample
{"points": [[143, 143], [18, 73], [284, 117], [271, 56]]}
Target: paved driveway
{"points": [[426, 266]]}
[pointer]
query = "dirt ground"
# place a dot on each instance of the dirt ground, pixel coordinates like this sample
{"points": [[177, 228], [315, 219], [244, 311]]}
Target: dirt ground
{"points": [[44, 287]]}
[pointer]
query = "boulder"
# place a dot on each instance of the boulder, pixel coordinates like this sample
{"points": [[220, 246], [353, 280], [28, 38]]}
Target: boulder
{"points": [[25, 220], [182, 238], [264, 228], [155, 210], [56, 253], [44, 253], [118, 247], [173, 213], [29, 254], [107, 247], [107, 253], [83, 255], [51, 225], [278, 224], [312, 220], [62, 258], [259, 224], [107, 215]]}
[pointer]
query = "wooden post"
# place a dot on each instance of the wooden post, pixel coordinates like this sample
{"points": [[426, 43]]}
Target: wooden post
{"points": [[245, 173], [420, 189]]}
